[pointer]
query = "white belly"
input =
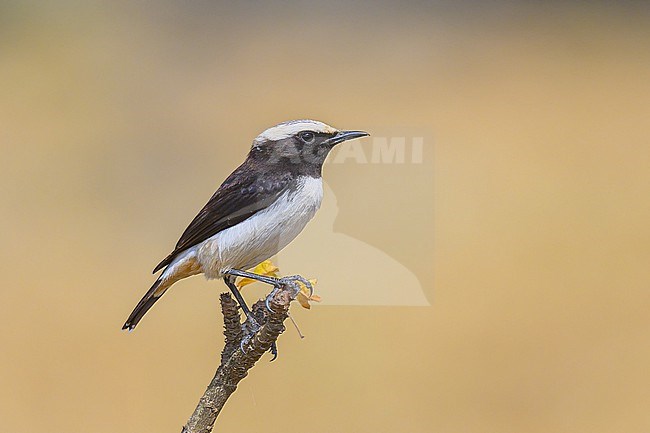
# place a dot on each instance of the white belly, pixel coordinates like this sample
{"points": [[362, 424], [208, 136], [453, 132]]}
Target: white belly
{"points": [[264, 234]]}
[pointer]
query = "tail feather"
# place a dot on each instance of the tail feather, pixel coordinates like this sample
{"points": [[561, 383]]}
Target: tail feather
{"points": [[181, 267], [147, 301]]}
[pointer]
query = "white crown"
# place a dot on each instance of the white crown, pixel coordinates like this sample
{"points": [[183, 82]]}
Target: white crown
{"points": [[291, 127]]}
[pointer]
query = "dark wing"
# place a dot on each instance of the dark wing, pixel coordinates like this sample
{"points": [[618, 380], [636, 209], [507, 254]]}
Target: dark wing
{"points": [[241, 196]]}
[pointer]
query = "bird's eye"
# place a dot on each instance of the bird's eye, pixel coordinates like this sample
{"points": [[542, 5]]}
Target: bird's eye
{"points": [[307, 136]]}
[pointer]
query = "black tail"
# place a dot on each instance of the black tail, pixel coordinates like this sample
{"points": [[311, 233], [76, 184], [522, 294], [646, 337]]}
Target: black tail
{"points": [[143, 306]]}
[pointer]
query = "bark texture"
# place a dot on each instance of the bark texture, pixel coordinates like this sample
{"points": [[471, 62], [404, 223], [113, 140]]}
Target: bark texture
{"points": [[236, 362]]}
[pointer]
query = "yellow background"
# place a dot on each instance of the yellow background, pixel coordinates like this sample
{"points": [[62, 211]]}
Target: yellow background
{"points": [[526, 223]]}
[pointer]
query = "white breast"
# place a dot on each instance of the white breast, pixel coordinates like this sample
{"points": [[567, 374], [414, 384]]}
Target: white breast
{"points": [[264, 234]]}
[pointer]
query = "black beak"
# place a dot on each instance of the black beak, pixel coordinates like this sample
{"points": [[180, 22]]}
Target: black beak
{"points": [[342, 136]]}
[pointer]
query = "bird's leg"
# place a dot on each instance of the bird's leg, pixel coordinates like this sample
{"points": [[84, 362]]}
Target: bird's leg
{"points": [[230, 277], [230, 282], [231, 274], [253, 276], [276, 282]]}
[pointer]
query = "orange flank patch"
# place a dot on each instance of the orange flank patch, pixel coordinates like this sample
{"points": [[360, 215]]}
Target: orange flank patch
{"points": [[185, 269]]}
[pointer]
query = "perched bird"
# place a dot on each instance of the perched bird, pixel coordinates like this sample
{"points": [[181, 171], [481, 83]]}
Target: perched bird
{"points": [[259, 209]]}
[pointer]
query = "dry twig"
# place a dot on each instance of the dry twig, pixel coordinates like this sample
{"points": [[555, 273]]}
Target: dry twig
{"points": [[236, 362]]}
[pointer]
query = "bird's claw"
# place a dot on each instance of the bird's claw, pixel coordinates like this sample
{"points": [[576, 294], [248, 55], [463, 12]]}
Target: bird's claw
{"points": [[291, 281], [250, 327], [269, 297], [253, 328], [274, 351], [243, 342]]}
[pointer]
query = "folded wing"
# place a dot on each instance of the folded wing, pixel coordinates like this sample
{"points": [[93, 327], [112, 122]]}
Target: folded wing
{"points": [[241, 196]]}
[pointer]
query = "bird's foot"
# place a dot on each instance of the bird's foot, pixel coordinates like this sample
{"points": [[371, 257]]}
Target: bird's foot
{"points": [[274, 351], [244, 342], [270, 296], [249, 328], [292, 281], [250, 325], [274, 281]]}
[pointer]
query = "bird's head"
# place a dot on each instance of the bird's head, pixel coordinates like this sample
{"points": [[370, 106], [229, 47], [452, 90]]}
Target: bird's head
{"points": [[300, 142]]}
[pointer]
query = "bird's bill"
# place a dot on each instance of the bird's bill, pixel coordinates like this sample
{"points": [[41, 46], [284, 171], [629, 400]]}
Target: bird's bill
{"points": [[342, 136]]}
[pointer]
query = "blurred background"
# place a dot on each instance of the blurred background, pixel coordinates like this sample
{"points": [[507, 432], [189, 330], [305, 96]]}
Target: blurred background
{"points": [[525, 225]]}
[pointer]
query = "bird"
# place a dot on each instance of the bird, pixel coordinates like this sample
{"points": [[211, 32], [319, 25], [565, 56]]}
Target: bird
{"points": [[256, 212]]}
